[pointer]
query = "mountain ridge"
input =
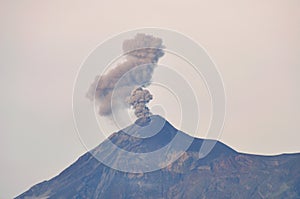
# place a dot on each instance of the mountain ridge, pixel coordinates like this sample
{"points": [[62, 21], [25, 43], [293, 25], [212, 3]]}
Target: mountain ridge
{"points": [[224, 172]]}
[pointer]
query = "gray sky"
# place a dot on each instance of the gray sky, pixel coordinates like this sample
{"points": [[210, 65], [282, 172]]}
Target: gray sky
{"points": [[255, 44]]}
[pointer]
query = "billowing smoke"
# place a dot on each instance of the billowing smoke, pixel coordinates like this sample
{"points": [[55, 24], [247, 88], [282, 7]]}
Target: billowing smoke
{"points": [[142, 54], [138, 100]]}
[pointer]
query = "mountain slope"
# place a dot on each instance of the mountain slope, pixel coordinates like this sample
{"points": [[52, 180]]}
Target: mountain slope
{"points": [[224, 173]]}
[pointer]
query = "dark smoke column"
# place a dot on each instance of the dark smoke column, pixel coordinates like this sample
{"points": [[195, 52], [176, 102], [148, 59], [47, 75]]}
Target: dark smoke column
{"points": [[138, 100]]}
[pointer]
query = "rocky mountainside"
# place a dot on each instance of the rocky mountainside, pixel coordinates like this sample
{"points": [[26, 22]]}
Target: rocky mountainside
{"points": [[223, 173]]}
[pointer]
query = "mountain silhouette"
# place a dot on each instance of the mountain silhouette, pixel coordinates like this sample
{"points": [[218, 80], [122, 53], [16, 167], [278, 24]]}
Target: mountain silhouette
{"points": [[223, 173]]}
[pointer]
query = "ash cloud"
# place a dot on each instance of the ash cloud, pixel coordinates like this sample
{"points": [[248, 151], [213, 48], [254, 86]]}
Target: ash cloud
{"points": [[142, 54], [138, 100]]}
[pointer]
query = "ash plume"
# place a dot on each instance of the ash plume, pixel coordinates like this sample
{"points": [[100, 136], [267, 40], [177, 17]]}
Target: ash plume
{"points": [[141, 56], [138, 100]]}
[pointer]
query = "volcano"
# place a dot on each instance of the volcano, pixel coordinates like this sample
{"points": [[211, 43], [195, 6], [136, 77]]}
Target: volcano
{"points": [[223, 173]]}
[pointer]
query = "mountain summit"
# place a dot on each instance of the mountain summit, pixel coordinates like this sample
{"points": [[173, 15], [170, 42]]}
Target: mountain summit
{"points": [[223, 173]]}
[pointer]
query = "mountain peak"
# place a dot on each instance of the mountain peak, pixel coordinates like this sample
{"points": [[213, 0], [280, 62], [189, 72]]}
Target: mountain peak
{"points": [[144, 121], [223, 173], [148, 126]]}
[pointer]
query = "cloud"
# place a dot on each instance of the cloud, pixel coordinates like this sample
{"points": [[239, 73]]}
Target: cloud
{"points": [[138, 100], [141, 56]]}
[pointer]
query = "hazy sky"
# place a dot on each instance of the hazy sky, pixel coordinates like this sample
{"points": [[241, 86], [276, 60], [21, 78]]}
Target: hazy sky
{"points": [[255, 44]]}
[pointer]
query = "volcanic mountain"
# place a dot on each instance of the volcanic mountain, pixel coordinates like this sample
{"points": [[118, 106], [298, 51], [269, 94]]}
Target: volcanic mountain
{"points": [[223, 173]]}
